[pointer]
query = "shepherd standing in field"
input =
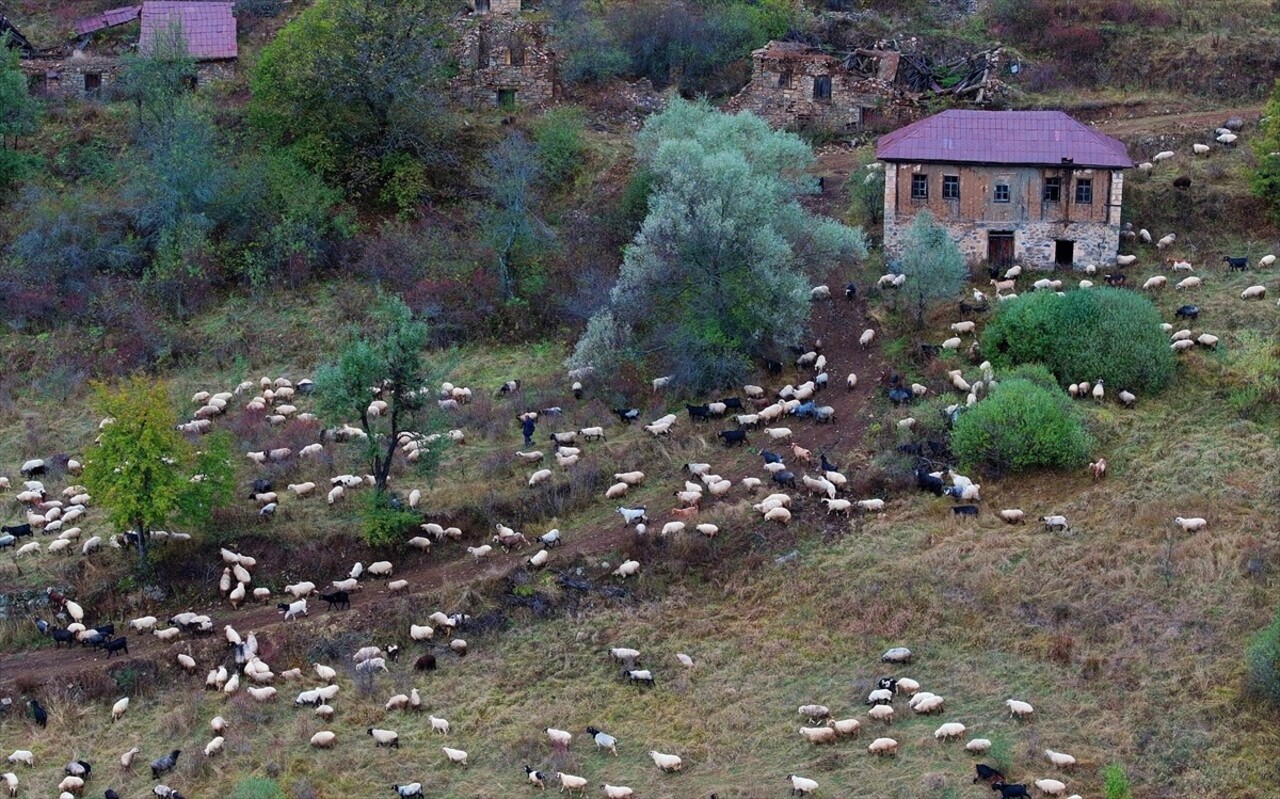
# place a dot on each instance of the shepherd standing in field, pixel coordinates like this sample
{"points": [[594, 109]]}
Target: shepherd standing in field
{"points": [[528, 429]]}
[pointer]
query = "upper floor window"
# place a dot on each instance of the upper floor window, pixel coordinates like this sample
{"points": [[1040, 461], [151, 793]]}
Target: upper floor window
{"points": [[785, 79], [1002, 192], [822, 87], [1084, 191], [1053, 190], [950, 187], [919, 187]]}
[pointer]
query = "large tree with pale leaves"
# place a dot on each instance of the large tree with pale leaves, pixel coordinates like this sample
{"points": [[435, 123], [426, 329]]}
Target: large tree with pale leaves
{"points": [[721, 268]]}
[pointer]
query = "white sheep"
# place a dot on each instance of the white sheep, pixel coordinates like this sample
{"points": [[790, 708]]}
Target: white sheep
{"points": [[802, 786], [458, 756], [952, 729], [1192, 524], [778, 514], [1126, 260], [1156, 282], [617, 791], [439, 725], [22, 756], [881, 713], [978, 746], [867, 337], [820, 293], [1019, 709], [1060, 759], [1207, 340], [1200, 149], [11, 780], [1012, 515], [848, 727], [541, 476], [819, 735], [215, 746], [666, 762], [1254, 293], [323, 739], [1051, 787], [119, 708], [883, 746], [872, 505], [388, 738], [627, 569], [571, 782]]}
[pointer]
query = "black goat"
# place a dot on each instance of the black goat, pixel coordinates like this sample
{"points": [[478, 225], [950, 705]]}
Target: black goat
{"points": [[1015, 791], [732, 404], [1115, 279], [773, 367], [336, 599], [425, 663], [261, 486], [1240, 264], [17, 530], [1187, 312], [110, 794], [115, 645], [827, 466], [987, 774], [927, 482], [732, 437], [1182, 182], [914, 448], [698, 413], [850, 292], [40, 714], [61, 636], [785, 478], [627, 415], [163, 765], [900, 396], [887, 683], [965, 510], [770, 457]]}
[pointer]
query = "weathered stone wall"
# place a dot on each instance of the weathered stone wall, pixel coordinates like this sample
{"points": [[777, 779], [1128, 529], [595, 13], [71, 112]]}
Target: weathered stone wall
{"points": [[495, 6], [501, 55], [1095, 234], [782, 90], [67, 77]]}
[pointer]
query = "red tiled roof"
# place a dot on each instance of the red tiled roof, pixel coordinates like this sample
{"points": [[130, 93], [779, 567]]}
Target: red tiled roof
{"points": [[1041, 138], [209, 28], [107, 19]]}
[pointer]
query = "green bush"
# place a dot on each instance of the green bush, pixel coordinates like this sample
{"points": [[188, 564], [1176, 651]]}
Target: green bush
{"points": [[1100, 334], [1263, 662], [560, 146], [1115, 783], [385, 524], [1021, 426]]}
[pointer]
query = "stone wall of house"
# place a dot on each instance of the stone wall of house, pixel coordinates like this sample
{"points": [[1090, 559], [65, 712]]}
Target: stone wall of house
{"points": [[494, 6], [783, 90], [1094, 240], [71, 77], [504, 59]]}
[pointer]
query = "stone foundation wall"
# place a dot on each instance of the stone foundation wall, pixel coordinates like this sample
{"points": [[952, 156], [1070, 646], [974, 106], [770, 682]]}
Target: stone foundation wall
{"points": [[1034, 243]]}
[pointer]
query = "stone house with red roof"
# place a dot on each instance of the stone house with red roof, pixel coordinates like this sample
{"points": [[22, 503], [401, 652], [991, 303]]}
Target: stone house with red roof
{"points": [[208, 29], [1031, 187]]}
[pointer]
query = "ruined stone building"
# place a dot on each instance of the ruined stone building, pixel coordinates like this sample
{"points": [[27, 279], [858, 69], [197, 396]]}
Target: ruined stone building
{"points": [[794, 85], [504, 58], [208, 30], [1032, 187]]}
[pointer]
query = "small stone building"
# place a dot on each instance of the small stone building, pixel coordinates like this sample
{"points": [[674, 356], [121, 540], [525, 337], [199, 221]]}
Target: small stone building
{"points": [[208, 29], [1032, 187], [794, 85], [504, 58]]}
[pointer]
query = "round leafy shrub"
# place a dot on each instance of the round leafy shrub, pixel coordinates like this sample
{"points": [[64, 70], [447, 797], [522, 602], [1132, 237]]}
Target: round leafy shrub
{"points": [[1021, 426], [1100, 334], [1263, 662]]}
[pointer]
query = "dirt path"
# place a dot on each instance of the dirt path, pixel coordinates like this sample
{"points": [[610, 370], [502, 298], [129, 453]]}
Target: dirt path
{"points": [[837, 323]]}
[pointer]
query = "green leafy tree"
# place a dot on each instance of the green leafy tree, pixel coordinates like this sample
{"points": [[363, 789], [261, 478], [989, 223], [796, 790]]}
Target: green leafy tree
{"points": [[1115, 783], [1021, 426], [1265, 180], [394, 361], [1101, 334], [349, 85], [561, 148], [717, 273], [158, 82], [933, 264], [866, 189], [141, 471], [19, 116]]}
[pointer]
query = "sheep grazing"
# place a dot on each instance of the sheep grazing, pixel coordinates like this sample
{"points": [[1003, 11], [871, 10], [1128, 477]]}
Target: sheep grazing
{"points": [[1019, 709], [866, 338], [1056, 522], [214, 746], [666, 762], [1060, 759], [387, 738], [11, 781], [814, 713], [978, 746], [802, 786], [617, 791], [1190, 525], [569, 782], [948, 731], [848, 727], [163, 765], [638, 676], [1051, 787], [1254, 293], [819, 735], [881, 713], [898, 654], [624, 654], [71, 785], [118, 709], [629, 567], [1098, 468], [409, 790], [293, 609], [458, 756], [883, 746], [603, 740], [126, 759], [1012, 515]]}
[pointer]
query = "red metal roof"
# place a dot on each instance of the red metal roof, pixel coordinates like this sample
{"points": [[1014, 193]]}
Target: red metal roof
{"points": [[209, 28], [1042, 138], [107, 19]]}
